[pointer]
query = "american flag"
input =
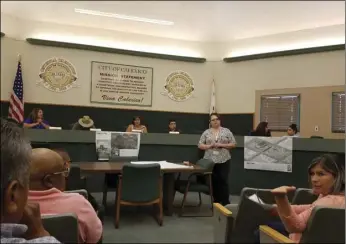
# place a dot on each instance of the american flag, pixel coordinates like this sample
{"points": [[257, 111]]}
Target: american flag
{"points": [[16, 109]]}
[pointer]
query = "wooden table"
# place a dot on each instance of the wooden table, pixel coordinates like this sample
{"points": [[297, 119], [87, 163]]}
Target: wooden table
{"points": [[168, 178]]}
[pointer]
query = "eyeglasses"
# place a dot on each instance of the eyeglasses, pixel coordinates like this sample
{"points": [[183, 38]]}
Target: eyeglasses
{"points": [[65, 173], [214, 119]]}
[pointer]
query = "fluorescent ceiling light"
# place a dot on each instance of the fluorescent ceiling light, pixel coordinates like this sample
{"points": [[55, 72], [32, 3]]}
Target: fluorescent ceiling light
{"points": [[121, 16]]}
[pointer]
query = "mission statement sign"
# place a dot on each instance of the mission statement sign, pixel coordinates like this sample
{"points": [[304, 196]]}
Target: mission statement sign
{"points": [[121, 84]]}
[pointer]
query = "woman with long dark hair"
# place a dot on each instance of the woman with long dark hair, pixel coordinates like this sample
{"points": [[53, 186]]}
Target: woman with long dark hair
{"points": [[136, 126], [326, 175], [35, 120], [327, 179], [261, 130]]}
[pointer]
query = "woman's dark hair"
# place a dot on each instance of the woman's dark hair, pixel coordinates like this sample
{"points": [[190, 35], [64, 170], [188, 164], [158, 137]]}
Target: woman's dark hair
{"points": [[171, 120], [294, 128], [214, 114], [334, 164], [134, 118], [34, 113], [261, 129]]}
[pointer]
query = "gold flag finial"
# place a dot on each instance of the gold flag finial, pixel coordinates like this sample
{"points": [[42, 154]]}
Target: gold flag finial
{"points": [[19, 58]]}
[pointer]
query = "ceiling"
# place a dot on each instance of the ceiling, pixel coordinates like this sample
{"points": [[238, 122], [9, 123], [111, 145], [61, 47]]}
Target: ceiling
{"points": [[206, 21]]}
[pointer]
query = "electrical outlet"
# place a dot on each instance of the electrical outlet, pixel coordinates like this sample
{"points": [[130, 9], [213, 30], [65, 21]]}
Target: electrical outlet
{"points": [[316, 127]]}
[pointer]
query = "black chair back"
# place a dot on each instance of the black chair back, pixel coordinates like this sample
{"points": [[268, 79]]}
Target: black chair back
{"points": [[250, 215], [325, 225], [304, 196], [140, 183], [82, 192], [316, 137], [64, 227], [206, 164], [74, 180]]}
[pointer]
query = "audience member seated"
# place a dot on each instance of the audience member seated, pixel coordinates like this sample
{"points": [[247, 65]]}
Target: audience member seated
{"points": [[172, 126], [261, 130], [327, 177], [136, 126], [67, 161], [84, 123], [20, 221], [292, 130], [36, 120], [47, 183], [9, 119]]}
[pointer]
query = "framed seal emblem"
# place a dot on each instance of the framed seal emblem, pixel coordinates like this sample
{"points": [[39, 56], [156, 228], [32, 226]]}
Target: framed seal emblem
{"points": [[179, 86], [58, 75]]}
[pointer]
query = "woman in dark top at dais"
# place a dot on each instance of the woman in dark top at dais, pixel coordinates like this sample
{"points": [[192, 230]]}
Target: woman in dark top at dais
{"points": [[35, 120], [262, 130]]}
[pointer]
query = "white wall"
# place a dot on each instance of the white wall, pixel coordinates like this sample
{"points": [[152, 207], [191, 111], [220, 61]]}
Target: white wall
{"points": [[34, 56], [236, 83], [21, 29]]}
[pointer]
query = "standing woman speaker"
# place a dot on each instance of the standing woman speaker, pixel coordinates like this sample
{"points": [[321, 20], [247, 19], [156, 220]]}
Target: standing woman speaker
{"points": [[217, 142]]}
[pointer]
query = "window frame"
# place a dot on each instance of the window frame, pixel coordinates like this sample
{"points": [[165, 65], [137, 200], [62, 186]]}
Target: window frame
{"points": [[298, 95], [332, 112]]}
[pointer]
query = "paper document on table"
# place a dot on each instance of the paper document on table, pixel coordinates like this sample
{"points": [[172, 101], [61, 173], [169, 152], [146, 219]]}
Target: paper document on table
{"points": [[164, 164], [255, 198]]}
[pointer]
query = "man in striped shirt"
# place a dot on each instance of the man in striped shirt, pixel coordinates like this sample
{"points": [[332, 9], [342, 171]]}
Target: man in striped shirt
{"points": [[20, 221]]}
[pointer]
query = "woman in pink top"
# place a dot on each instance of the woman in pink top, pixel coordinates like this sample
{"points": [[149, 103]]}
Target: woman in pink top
{"points": [[327, 177]]}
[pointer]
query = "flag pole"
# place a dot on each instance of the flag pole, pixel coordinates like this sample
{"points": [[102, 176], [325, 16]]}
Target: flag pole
{"points": [[19, 57]]}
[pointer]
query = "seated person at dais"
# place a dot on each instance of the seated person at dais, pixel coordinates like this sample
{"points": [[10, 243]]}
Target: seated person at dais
{"points": [[36, 120], [47, 184], [136, 126], [261, 130], [327, 177], [172, 126], [84, 123], [292, 130]]}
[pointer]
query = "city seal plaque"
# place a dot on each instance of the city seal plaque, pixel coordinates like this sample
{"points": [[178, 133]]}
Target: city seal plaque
{"points": [[58, 75], [179, 86]]}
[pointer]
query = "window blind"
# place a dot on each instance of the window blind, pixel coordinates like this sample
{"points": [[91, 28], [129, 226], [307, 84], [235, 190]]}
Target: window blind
{"points": [[338, 112], [280, 111]]}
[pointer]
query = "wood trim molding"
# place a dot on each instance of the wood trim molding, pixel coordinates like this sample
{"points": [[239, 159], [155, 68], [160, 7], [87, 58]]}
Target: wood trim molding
{"points": [[41, 42], [274, 234], [127, 108], [2, 34], [222, 209], [285, 53], [122, 108]]}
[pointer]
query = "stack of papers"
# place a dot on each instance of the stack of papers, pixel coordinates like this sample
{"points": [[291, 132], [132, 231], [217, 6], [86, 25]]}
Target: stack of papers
{"points": [[164, 164]]}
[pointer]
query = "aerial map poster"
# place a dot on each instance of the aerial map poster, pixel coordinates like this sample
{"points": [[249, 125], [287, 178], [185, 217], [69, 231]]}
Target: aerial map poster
{"points": [[268, 153], [117, 144]]}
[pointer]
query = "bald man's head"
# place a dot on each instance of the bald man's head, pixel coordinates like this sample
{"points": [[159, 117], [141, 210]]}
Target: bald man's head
{"points": [[47, 170]]}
